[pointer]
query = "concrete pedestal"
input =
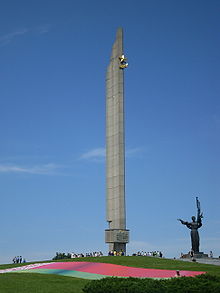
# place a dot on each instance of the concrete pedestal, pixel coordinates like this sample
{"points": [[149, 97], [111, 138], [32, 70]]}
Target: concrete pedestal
{"points": [[196, 255]]}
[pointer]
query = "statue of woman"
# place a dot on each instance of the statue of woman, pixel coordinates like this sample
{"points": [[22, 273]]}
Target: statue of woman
{"points": [[194, 226]]}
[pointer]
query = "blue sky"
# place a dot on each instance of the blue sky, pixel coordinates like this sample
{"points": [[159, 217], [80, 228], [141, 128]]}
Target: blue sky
{"points": [[53, 59]]}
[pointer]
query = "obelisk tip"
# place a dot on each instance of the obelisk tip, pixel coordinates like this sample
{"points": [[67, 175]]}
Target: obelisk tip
{"points": [[119, 32]]}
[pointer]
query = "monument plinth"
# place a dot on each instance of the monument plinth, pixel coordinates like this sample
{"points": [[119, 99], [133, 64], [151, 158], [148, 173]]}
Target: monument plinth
{"points": [[195, 255], [116, 235]]}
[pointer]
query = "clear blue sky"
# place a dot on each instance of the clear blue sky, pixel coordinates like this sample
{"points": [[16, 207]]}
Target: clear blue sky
{"points": [[53, 59]]}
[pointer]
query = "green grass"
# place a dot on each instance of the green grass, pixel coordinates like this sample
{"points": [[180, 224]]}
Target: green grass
{"points": [[37, 283]]}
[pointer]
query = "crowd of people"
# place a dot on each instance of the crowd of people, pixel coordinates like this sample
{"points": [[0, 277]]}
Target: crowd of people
{"points": [[110, 253], [18, 259], [156, 253], [116, 253], [88, 254], [61, 255]]}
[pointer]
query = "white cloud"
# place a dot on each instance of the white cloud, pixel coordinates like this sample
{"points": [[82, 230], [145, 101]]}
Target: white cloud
{"points": [[8, 38], [132, 152], [47, 169], [43, 29], [94, 154], [5, 39], [99, 153]]}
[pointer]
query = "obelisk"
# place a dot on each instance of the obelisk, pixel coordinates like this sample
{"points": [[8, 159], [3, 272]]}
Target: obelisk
{"points": [[116, 235]]}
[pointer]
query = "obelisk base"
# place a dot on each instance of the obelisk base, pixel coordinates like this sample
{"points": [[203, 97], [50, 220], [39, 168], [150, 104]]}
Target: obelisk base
{"points": [[117, 239], [118, 247]]}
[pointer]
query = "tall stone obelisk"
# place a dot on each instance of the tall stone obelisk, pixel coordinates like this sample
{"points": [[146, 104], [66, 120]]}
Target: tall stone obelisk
{"points": [[116, 235]]}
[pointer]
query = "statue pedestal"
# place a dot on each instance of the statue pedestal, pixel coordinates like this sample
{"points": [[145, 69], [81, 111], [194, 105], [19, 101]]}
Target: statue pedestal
{"points": [[196, 255], [200, 255]]}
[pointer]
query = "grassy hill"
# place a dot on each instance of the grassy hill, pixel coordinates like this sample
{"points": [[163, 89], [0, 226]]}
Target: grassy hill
{"points": [[39, 283]]}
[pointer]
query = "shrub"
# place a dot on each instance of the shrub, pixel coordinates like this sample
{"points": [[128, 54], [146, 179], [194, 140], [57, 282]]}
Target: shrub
{"points": [[124, 285], [201, 284], [61, 255]]}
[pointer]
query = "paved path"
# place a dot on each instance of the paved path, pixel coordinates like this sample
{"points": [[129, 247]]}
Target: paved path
{"points": [[207, 260]]}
